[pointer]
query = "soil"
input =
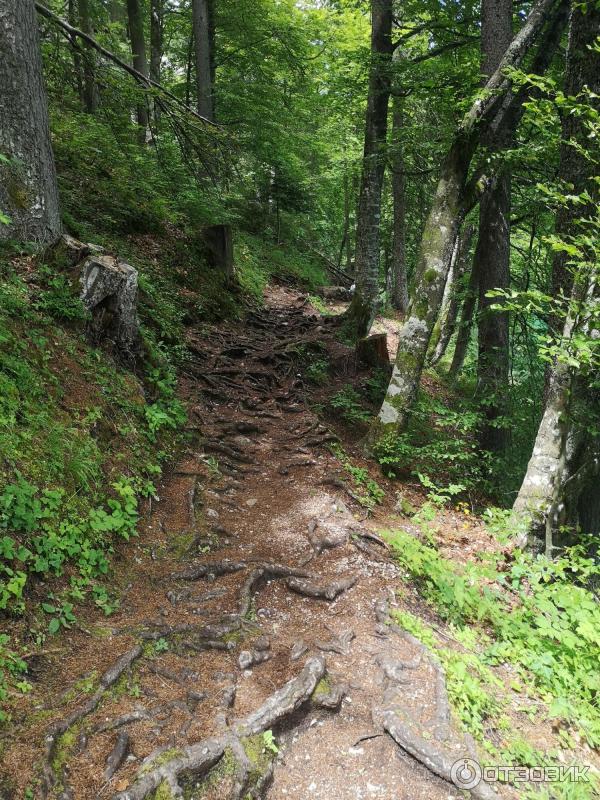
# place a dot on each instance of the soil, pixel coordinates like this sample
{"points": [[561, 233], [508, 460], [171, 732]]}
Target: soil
{"points": [[255, 487]]}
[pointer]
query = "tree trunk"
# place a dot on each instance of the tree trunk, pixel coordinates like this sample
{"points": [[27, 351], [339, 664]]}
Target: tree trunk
{"points": [[540, 492], [90, 87], [543, 490], [361, 312], [203, 57], [450, 309], [466, 324], [140, 62], [157, 10], [492, 254], [77, 69], [399, 278], [437, 242], [28, 188]]}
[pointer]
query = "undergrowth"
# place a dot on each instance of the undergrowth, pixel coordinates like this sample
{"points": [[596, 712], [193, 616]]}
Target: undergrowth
{"points": [[536, 618], [81, 441]]}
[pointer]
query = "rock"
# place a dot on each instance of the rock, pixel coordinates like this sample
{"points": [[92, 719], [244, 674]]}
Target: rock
{"points": [[109, 292], [373, 351], [245, 659]]}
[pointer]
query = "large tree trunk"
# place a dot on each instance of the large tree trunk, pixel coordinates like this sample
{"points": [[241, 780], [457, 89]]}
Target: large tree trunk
{"points": [[399, 278], [438, 238], [203, 45], [542, 492], [28, 189], [492, 254], [450, 308], [90, 87], [361, 312], [140, 61]]}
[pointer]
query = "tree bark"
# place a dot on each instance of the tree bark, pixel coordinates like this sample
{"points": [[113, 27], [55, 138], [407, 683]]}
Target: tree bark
{"points": [[542, 493], [466, 324], [450, 309], [140, 61], [157, 11], [438, 238], [203, 45], [90, 87], [28, 188], [361, 312], [399, 276], [492, 254]]}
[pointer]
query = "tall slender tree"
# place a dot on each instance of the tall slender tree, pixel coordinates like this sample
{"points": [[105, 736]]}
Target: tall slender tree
{"points": [[492, 254], [361, 312], [140, 60], [29, 208], [204, 58], [157, 13], [90, 87], [398, 265]]}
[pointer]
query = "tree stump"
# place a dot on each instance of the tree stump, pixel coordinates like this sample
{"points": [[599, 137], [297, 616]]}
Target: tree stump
{"points": [[373, 351], [109, 292], [219, 245]]}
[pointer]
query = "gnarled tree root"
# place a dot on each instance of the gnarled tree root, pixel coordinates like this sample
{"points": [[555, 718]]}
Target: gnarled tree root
{"points": [[49, 777], [328, 591], [437, 753], [197, 759]]}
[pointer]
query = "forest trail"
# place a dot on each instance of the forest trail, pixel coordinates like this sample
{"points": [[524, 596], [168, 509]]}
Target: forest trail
{"points": [[219, 612]]}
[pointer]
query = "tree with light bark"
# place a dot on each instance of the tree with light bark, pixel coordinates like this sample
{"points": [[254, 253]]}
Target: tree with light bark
{"points": [[560, 485], [453, 198]]}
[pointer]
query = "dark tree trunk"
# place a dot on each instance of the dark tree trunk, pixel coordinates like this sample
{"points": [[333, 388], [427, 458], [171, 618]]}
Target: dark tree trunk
{"points": [[492, 254], [90, 87], [398, 267], [140, 61], [361, 312], [157, 10], [203, 46], [77, 69], [28, 189]]}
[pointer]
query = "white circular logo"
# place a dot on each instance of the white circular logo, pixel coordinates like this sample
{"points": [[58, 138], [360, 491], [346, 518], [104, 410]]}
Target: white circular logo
{"points": [[466, 773]]}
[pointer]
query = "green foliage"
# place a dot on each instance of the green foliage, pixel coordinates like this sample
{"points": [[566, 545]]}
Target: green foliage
{"points": [[348, 403], [440, 441], [367, 491], [541, 617], [317, 371]]}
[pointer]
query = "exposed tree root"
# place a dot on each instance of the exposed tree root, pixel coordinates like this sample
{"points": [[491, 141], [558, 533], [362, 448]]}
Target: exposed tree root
{"points": [[217, 568], [442, 749], [50, 778], [117, 755], [196, 760], [328, 591]]}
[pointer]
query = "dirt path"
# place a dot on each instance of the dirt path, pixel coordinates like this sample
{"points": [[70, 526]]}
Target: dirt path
{"points": [[251, 655]]}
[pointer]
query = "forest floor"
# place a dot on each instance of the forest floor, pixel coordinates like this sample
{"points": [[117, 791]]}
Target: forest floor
{"points": [[251, 654]]}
